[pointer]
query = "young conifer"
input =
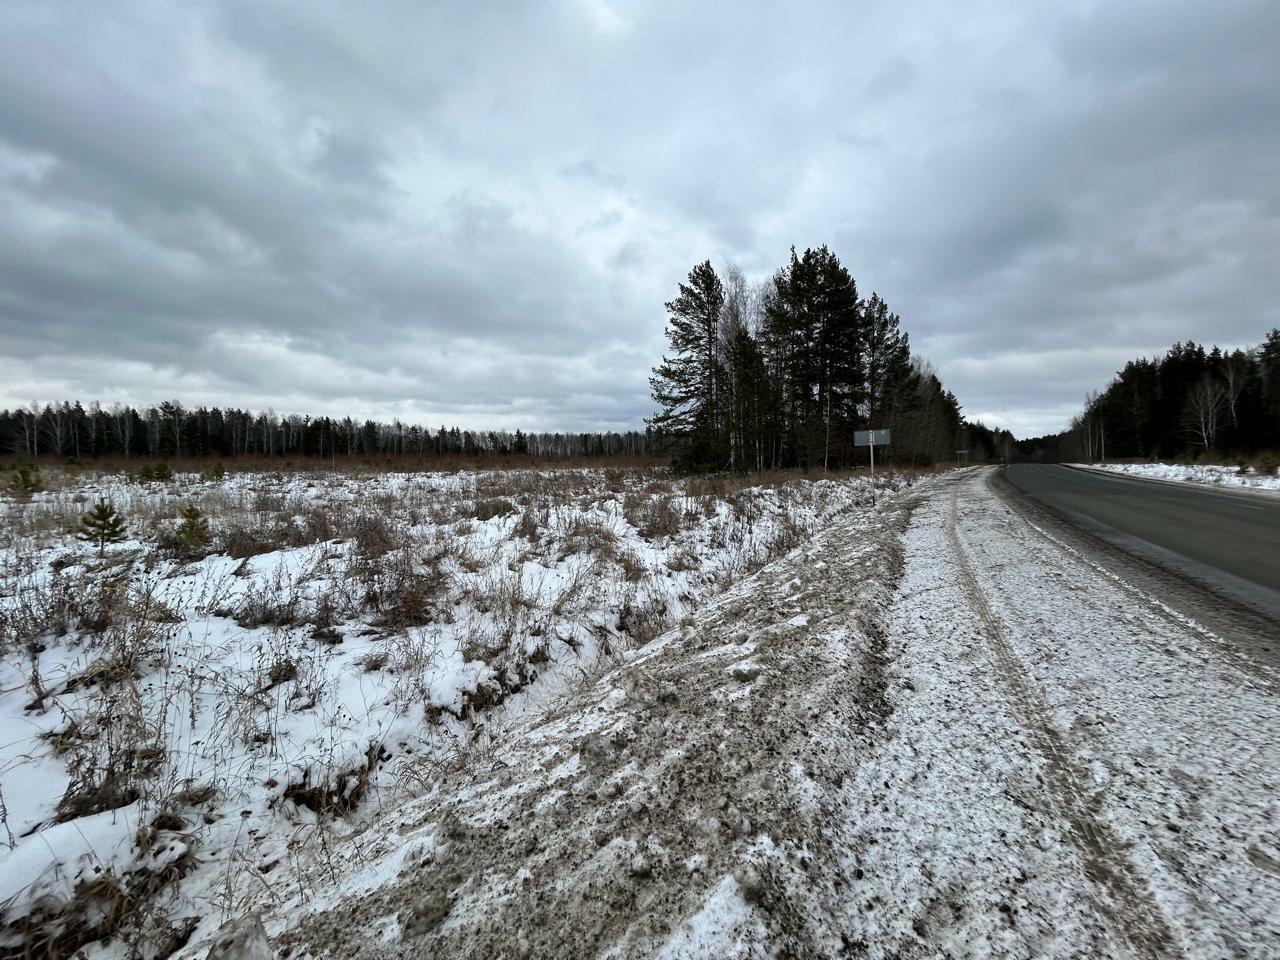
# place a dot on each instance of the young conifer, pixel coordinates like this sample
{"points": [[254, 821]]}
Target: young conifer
{"points": [[102, 525], [193, 532], [26, 480]]}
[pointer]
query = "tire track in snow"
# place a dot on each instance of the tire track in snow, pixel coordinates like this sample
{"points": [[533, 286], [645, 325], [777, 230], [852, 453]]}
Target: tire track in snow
{"points": [[1125, 896], [1245, 624]]}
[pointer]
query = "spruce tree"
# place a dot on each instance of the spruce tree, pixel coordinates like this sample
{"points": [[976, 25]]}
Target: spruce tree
{"points": [[102, 525]]}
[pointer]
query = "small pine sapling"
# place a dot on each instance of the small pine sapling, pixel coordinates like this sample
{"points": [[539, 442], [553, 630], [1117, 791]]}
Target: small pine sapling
{"points": [[193, 531], [102, 525], [26, 480], [154, 471]]}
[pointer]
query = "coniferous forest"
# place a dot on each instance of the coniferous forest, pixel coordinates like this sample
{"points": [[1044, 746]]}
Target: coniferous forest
{"points": [[70, 430], [1192, 403], [782, 373], [758, 376]]}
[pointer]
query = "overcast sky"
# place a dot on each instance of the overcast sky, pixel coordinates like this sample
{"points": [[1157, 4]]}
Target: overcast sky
{"points": [[472, 213]]}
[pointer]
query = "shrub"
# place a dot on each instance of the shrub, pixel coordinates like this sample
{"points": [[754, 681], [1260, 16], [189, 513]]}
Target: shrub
{"points": [[527, 525], [249, 540], [685, 559], [585, 535], [656, 518], [632, 567], [643, 620], [373, 535], [402, 596], [1268, 464], [497, 507]]}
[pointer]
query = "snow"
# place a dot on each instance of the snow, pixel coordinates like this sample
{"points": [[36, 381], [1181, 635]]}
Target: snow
{"points": [[929, 727], [725, 926], [1246, 478], [373, 718], [52, 862], [1173, 750]]}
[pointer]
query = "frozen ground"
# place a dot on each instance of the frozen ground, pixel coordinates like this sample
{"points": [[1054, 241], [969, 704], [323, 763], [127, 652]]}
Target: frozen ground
{"points": [[936, 731], [1248, 478], [1114, 772], [933, 728], [188, 731]]}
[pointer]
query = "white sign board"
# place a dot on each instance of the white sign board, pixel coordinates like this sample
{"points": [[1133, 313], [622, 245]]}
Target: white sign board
{"points": [[870, 438]]}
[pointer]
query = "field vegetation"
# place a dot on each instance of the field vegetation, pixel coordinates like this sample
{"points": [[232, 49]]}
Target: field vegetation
{"points": [[195, 708]]}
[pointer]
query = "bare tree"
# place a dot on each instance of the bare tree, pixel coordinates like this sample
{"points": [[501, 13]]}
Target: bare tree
{"points": [[1205, 404], [122, 425], [57, 425], [27, 439], [1235, 374]]}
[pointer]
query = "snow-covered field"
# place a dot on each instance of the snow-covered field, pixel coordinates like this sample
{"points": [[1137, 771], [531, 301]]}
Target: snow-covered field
{"points": [[1247, 478], [189, 732], [929, 727]]}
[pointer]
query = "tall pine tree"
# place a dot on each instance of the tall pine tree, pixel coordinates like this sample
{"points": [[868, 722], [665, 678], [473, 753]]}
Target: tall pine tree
{"points": [[686, 385], [812, 320], [884, 361]]}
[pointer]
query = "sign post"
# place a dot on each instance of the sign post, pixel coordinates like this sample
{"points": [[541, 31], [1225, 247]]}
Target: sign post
{"points": [[869, 438]]}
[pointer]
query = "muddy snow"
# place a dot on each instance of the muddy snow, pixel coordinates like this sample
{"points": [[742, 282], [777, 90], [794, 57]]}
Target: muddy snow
{"points": [[933, 728]]}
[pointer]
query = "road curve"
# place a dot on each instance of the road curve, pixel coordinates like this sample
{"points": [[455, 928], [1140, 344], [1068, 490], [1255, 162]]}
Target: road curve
{"points": [[1228, 542]]}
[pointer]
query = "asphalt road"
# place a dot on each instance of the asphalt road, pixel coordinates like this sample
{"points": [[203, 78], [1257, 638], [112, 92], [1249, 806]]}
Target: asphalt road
{"points": [[1227, 541]]}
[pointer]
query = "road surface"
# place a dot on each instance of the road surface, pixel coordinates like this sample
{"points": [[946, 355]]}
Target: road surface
{"points": [[1229, 542]]}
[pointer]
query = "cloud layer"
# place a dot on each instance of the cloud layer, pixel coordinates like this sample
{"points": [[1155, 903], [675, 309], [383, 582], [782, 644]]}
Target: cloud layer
{"points": [[473, 213]]}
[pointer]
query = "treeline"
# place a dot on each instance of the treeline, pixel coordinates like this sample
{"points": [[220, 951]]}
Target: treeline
{"points": [[782, 373], [773, 375], [169, 430], [1191, 402]]}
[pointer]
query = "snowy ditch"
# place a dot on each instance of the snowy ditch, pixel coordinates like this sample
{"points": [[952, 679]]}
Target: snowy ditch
{"points": [[188, 730]]}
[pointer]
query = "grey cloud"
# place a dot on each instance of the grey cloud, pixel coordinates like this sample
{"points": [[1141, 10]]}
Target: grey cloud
{"points": [[590, 171], [894, 76], [479, 212]]}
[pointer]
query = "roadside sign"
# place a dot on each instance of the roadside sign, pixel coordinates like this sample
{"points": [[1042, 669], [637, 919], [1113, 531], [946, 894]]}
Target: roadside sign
{"points": [[870, 438]]}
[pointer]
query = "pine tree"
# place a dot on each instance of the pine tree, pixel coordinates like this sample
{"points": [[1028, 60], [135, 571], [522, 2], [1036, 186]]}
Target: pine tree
{"points": [[102, 525], [812, 325], [26, 480], [885, 359], [1269, 384], [686, 385], [193, 531], [746, 400]]}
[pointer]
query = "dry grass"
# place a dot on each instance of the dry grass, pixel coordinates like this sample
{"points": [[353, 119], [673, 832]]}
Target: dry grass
{"points": [[313, 580]]}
